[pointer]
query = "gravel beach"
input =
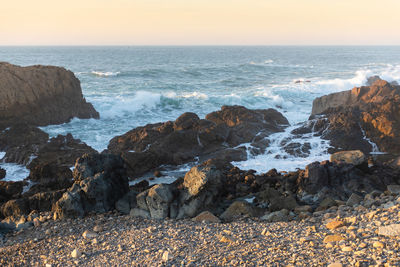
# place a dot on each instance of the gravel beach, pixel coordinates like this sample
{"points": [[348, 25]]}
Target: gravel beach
{"points": [[341, 235]]}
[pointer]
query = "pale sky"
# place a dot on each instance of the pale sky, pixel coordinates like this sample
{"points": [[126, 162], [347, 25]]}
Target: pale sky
{"points": [[200, 22]]}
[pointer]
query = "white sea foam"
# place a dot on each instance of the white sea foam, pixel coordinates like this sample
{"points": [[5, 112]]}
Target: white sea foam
{"points": [[130, 104], [195, 95], [14, 172], [276, 157], [105, 73]]}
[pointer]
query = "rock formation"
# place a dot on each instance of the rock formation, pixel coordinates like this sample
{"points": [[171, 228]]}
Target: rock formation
{"points": [[40, 95], [219, 136]]}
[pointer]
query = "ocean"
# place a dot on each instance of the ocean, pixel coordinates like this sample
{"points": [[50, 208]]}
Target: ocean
{"points": [[132, 86]]}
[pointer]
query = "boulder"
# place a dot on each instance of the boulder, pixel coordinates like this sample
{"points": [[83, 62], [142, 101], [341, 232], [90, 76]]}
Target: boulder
{"points": [[100, 181], [158, 201], [206, 217], [355, 157], [200, 190], [10, 190], [239, 209], [41, 95], [127, 202], [189, 137], [276, 216]]}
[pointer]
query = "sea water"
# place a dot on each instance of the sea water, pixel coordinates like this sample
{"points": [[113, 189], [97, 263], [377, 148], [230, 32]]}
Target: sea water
{"points": [[134, 86]]}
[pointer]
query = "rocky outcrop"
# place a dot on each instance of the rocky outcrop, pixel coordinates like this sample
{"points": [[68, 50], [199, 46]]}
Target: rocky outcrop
{"points": [[365, 118], [218, 136], [40, 95], [100, 181]]}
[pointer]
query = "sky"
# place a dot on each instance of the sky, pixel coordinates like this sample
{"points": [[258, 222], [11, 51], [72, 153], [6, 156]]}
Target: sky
{"points": [[200, 22]]}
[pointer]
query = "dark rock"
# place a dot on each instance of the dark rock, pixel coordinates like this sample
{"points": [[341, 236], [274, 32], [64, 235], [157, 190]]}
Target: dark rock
{"points": [[127, 202], [10, 190], [2, 173], [41, 95], [100, 181]]}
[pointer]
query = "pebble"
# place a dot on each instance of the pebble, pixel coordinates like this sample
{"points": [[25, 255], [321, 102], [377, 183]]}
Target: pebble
{"points": [[166, 256], [89, 235], [334, 225], [333, 238], [378, 244], [76, 253]]}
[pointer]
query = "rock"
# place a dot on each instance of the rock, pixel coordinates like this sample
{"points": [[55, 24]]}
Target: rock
{"points": [[305, 208], [335, 264], [100, 181], [353, 200], [89, 235], [166, 256], [24, 225], [378, 244], [201, 188], [41, 95], [98, 229], [326, 203], [365, 118], [188, 137], [389, 230], [140, 213], [276, 200], [6, 227], [127, 202], [347, 249], [333, 238], [355, 157], [76, 253], [239, 209], [158, 201], [2, 173], [10, 190], [277, 216], [206, 217], [334, 225], [394, 189]]}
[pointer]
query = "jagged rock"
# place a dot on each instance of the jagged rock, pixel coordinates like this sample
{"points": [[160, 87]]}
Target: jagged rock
{"points": [[158, 201], [41, 95], [365, 118], [10, 190], [200, 189], [100, 181], [276, 200], [217, 136]]}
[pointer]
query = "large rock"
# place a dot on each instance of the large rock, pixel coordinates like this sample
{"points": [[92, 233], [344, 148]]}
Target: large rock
{"points": [[41, 95], [10, 190], [365, 118], [100, 181], [188, 137], [355, 157]]}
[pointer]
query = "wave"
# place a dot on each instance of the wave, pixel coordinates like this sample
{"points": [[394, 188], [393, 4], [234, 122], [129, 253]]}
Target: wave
{"points": [[105, 74], [14, 172], [123, 105]]}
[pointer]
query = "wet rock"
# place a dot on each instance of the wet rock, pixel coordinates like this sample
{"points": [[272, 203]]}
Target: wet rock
{"points": [[41, 95], [394, 189]]}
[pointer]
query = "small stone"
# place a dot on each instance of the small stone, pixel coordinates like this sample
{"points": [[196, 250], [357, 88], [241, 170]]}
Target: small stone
{"points": [[334, 225], [226, 239], [120, 248], [329, 245], [89, 235], [378, 244], [347, 249], [333, 238], [76, 253], [265, 232], [94, 241], [36, 222], [335, 264], [166, 256], [389, 230], [97, 229]]}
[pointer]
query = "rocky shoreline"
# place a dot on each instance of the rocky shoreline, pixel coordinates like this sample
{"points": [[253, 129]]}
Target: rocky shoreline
{"points": [[246, 211]]}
